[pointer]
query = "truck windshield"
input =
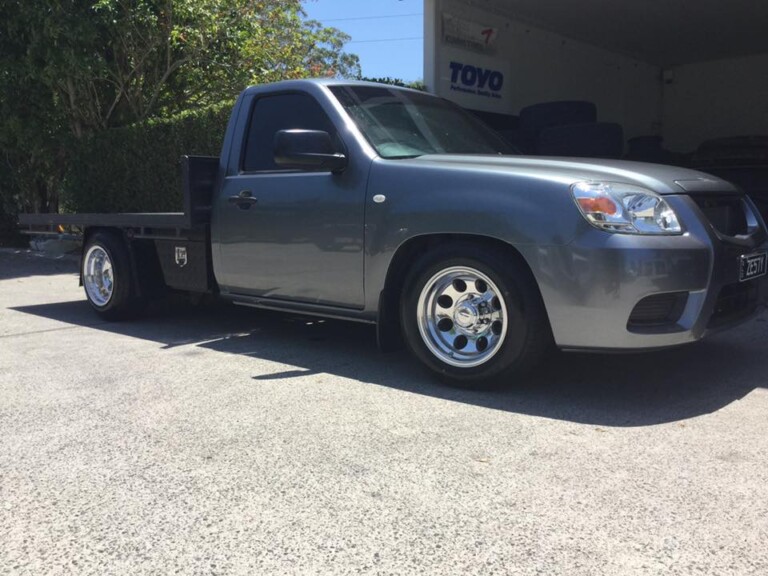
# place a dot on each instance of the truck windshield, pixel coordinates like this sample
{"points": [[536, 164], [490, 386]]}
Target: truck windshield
{"points": [[405, 124]]}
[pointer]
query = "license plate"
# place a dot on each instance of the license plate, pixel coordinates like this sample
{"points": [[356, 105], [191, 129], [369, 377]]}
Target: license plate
{"points": [[753, 266]]}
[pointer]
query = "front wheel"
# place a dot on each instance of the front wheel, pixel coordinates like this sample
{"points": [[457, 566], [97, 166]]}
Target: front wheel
{"points": [[474, 316]]}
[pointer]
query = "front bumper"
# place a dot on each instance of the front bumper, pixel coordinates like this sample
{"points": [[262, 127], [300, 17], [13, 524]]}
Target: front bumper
{"points": [[591, 286]]}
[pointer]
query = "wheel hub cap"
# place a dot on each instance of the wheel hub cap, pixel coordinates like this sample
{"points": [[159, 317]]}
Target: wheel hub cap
{"points": [[466, 316], [462, 317], [97, 275]]}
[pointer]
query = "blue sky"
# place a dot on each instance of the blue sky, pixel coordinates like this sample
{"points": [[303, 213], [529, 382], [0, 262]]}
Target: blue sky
{"points": [[386, 34]]}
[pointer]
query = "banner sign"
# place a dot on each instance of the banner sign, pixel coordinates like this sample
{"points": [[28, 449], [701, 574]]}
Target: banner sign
{"points": [[474, 81], [468, 35]]}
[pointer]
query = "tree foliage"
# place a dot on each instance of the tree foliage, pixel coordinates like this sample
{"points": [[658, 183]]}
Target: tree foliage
{"points": [[414, 85], [72, 68]]}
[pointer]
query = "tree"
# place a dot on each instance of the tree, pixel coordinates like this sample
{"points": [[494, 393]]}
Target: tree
{"points": [[70, 68], [414, 85]]}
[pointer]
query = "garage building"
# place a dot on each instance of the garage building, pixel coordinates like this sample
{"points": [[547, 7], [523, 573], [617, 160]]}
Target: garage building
{"points": [[672, 81]]}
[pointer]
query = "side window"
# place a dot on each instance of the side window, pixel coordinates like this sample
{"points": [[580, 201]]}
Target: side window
{"points": [[281, 112]]}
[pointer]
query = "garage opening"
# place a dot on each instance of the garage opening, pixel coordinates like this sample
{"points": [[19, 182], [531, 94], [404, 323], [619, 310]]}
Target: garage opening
{"points": [[681, 82]]}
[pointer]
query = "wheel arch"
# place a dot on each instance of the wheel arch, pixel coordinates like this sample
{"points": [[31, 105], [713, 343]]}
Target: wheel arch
{"points": [[388, 317], [146, 276]]}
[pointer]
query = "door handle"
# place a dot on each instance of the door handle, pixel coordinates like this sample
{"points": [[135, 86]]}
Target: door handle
{"points": [[244, 200]]}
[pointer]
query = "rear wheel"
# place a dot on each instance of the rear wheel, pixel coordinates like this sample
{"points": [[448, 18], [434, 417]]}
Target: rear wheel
{"points": [[474, 315], [108, 278]]}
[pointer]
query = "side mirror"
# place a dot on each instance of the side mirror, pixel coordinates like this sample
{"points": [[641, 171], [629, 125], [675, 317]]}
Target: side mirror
{"points": [[307, 150]]}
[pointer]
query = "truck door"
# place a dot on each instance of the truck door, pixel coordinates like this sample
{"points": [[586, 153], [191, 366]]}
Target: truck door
{"points": [[299, 237]]}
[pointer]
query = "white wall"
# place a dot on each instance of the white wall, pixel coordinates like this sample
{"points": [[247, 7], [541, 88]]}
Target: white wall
{"points": [[540, 66], [715, 99]]}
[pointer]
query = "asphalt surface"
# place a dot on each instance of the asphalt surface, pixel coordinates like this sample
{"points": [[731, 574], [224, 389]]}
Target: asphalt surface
{"points": [[220, 440]]}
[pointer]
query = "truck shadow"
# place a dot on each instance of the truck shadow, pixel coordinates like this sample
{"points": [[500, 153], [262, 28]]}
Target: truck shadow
{"points": [[607, 390]]}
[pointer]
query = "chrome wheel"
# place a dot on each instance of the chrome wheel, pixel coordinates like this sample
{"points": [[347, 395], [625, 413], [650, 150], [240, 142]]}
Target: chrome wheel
{"points": [[461, 316], [98, 277]]}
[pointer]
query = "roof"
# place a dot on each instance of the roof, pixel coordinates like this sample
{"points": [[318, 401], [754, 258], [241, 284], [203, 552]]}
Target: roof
{"points": [[303, 84]]}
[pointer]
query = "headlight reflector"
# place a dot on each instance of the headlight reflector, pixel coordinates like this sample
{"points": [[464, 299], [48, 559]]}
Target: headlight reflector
{"points": [[625, 208]]}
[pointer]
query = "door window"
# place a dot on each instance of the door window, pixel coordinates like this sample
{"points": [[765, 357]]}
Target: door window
{"points": [[281, 112]]}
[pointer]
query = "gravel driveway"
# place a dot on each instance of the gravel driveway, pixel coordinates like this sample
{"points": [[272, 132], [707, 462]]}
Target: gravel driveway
{"points": [[221, 440]]}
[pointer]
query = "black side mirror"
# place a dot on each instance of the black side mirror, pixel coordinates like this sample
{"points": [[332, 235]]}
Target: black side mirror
{"points": [[307, 150]]}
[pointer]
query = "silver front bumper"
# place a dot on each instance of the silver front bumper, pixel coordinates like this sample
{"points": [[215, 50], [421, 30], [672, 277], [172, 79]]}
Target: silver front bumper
{"points": [[591, 286]]}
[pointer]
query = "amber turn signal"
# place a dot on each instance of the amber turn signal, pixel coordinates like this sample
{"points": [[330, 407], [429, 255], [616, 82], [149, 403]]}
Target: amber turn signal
{"points": [[599, 205]]}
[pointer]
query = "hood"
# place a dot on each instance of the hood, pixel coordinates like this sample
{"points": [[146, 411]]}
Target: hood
{"points": [[660, 178]]}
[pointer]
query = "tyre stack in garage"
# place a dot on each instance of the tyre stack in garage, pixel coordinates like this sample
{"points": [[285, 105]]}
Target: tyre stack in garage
{"points": [[570, 128], [563, 128]]}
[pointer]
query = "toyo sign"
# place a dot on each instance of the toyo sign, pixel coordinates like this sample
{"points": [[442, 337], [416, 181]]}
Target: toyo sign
{"points": [[476, 80]]}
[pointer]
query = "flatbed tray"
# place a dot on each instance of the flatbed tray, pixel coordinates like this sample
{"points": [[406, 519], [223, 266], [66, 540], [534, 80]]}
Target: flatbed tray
{"points": [[198, 176]]}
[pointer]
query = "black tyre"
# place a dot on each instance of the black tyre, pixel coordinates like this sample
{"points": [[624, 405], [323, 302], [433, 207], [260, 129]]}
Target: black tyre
{"points": [[108, 277], [474, 315]]}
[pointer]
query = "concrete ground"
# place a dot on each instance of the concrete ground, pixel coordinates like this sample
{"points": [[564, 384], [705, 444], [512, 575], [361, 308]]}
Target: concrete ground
{"points": [[228, 441]]}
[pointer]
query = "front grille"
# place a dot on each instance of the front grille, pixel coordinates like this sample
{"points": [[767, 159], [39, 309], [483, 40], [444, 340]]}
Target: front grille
{"points": [[658, 310], [734, 302], [726, 214]]}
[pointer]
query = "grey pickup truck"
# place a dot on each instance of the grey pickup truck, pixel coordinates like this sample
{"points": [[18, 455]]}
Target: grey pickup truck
{"points": [[384, 205]]}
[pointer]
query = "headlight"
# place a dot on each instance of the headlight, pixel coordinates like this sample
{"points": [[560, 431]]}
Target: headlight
{"points": [[625, 208]]}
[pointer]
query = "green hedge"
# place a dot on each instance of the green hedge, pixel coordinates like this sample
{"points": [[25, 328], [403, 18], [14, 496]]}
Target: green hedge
{"points": [[136, 168], [9, 235]]}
